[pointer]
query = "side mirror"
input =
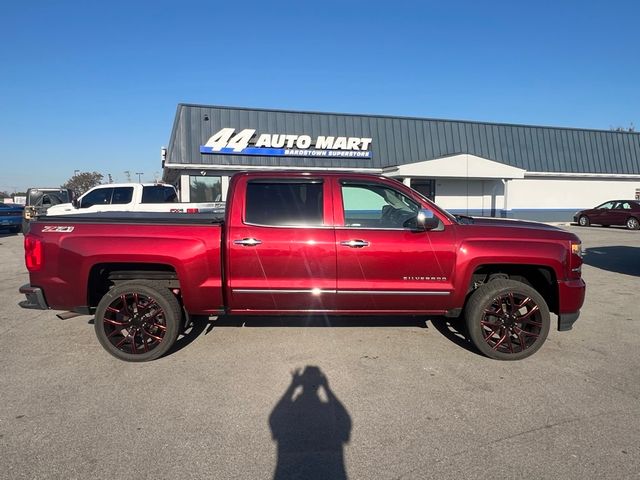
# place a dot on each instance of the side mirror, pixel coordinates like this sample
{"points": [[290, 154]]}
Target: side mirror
{"points": [[424, 220]]}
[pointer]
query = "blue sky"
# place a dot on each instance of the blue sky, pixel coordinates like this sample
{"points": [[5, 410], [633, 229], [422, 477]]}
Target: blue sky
{"points": [[94, 86]]}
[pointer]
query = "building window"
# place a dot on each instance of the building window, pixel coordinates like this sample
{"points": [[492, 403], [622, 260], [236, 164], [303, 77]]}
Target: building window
{"points": [[427, 188], [205, 189]]}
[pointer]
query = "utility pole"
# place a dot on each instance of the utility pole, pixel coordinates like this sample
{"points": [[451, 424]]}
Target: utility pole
{"points": [[139, 175], [128, 174]]}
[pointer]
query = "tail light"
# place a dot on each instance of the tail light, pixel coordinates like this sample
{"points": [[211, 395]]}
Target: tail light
{"points": [[192, 210], [575, 262], [32, 253]]}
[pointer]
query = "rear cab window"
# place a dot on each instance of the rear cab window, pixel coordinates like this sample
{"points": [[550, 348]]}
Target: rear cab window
{"points": [[275, 202]]}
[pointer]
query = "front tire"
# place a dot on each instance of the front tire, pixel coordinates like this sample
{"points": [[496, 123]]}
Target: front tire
{"points": [[507, 320], [583, 221], [633, 223], [138, 321]]}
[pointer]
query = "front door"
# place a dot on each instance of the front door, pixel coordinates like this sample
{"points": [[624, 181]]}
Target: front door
{"points": [[383, 264], [282, 254]]}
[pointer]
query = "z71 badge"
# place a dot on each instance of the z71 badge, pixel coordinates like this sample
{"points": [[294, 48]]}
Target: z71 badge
{"points": [[54, 228]]}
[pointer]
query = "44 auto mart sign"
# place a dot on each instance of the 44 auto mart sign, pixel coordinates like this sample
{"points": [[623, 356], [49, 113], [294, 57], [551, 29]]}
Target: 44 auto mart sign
{"points": [[245, 142]]}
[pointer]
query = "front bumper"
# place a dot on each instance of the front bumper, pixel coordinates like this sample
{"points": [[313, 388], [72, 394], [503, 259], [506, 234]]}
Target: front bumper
{"points": [[35, 298], [10, 221], [566, 321], [571, 294]]}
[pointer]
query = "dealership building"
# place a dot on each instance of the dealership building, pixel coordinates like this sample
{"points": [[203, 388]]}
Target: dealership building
{"points": [[472, 168]]}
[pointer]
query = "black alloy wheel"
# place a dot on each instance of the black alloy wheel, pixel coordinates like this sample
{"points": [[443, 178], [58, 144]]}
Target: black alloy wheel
{"points": [[507, 320], [138, 321]]}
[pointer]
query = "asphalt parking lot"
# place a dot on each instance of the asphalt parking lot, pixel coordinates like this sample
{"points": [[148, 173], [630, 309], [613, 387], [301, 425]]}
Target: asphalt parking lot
{"points": [[402, 400]]}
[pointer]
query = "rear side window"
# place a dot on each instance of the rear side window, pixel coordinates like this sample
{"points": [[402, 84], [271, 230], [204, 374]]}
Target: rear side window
{"points": [[122, 195], [159, 194], [284, 203]]}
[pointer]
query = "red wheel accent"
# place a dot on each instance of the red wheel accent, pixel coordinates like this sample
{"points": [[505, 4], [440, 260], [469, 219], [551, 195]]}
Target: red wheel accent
{"points": [[512, 323], [134, 323]]}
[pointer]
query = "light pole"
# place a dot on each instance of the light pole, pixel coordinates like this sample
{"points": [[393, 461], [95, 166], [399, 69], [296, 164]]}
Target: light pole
{"points": [[139, 175]]}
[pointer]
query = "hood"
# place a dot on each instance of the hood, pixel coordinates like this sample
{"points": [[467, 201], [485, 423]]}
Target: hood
{"points": [[511, 222], [60, 208]]}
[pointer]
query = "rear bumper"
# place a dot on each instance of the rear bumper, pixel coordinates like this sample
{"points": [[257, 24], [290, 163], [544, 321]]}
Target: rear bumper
{"points": [[35, 298]]}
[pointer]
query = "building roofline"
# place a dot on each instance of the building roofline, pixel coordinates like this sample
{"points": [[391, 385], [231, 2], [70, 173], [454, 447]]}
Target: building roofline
{"points": [[398, 117]]}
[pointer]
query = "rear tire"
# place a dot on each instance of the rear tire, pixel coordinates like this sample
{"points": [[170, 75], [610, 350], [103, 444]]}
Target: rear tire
{"points": [[583, 221], [138, 321], [15, 229], [633, 223], [507, 320]]}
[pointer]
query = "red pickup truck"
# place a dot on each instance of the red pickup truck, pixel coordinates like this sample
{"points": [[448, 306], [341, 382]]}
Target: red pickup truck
{"points": [[306, 243]]}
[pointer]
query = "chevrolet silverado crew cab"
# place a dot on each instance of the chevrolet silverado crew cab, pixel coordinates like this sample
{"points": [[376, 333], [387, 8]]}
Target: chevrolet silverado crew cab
{"points": [[306, 243], [132, 197]]}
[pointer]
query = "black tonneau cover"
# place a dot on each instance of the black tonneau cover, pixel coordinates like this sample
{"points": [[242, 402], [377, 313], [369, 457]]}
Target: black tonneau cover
{"points": [[165, 218]]}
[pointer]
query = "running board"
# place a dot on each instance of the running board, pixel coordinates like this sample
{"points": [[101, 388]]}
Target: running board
{"points": [[67, 315]]}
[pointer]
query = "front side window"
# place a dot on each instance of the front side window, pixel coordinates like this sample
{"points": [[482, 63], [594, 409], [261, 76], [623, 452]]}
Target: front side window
{"points": [[101, 196], [122, 195], [284, 203], [606, 206], [376, 206]]}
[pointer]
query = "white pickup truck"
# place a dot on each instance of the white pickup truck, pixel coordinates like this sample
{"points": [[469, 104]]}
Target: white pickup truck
{"points": [[132, 197]]}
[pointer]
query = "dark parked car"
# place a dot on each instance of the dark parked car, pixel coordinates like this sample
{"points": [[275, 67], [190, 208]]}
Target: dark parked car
{"points": [[11, 216], [613, 212]]}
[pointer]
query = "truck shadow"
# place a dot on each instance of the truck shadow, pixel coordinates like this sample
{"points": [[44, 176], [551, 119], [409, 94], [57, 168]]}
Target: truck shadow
{"points": [[618, 259], [452, 329]]}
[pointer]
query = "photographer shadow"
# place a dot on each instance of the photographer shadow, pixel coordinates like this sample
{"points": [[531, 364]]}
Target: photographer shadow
{"points": [[310, 427]]}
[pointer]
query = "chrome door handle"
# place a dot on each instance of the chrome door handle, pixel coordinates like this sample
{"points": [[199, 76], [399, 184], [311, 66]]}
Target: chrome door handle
{"points": [[355, 243], [248, 242]]}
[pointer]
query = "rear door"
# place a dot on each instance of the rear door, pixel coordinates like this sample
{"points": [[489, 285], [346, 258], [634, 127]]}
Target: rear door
{"points": [[281, 246], [619, 213], [602, 214]]}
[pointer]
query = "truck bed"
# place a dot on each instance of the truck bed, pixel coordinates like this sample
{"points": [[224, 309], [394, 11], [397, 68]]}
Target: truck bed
{"points": [[95, 246]]}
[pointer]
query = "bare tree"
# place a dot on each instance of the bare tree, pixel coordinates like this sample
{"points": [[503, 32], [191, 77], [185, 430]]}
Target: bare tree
{"points": [[83, 181]]}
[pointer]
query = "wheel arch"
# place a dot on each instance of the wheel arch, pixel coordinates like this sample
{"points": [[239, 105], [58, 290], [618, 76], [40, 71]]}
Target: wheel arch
{"points": [[102, 276], [540, 277]]}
